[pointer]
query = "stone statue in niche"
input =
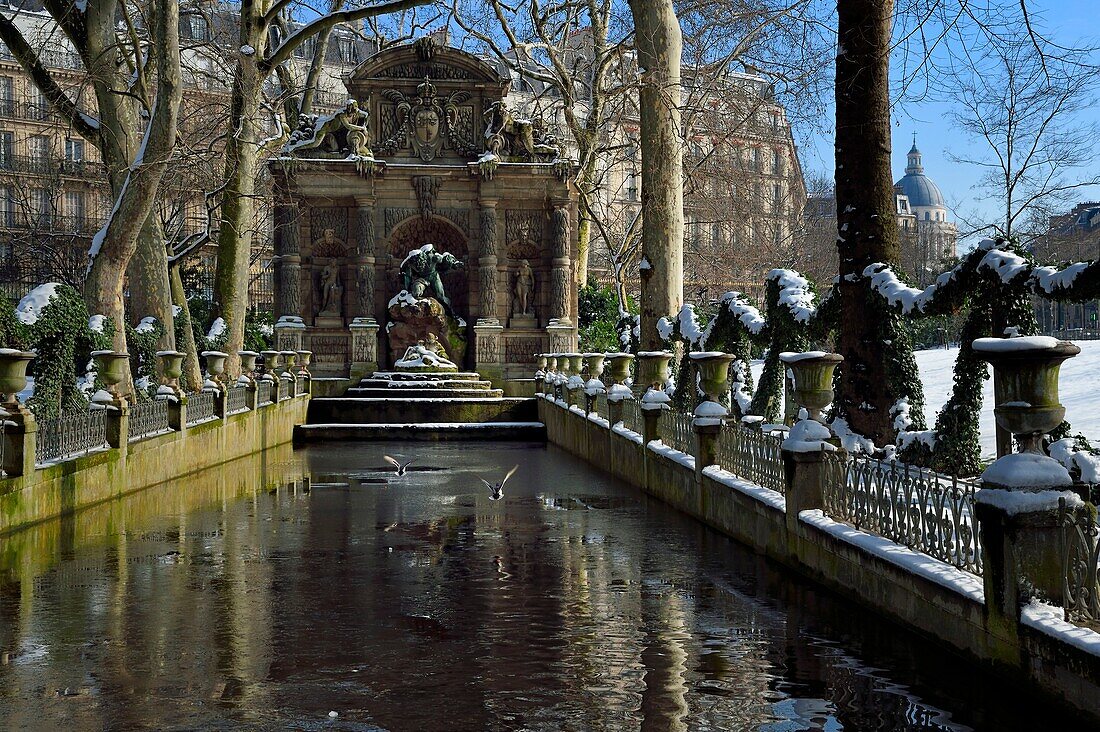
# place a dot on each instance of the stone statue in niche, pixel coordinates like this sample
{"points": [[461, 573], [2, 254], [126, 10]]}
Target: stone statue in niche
{"points": [[523, 309], [344, 134], [525, 286], [420, 274], [332, 290]]}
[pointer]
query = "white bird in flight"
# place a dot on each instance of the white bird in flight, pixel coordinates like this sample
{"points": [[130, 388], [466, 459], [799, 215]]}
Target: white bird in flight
{"points": [[401, 469], [496, 490]]}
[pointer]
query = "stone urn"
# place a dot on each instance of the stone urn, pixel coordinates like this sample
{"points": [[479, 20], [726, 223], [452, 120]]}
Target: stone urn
{"points": [[248, 361], [271, 362], [574, 364], [171, 366], [552, 363], [1026, 387], [594, 363], [540, 361], [620, 366], [215, 363], [813, 379], [714, 373], [304, 359], [13, 373], [289, 359], [111, 368], [652, 371]]}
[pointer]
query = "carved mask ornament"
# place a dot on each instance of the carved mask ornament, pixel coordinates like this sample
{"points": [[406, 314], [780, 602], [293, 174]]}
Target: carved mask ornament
{"points": [[426, 121]]}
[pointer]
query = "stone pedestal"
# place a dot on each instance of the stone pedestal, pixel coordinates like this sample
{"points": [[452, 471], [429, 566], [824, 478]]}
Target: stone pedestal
{"points": [[529, 322], [562, 336], [805, 475], [328, 321], [19, 441], [488, 347], [118, 424], [288, 333], [706, 439], [364, 347]]}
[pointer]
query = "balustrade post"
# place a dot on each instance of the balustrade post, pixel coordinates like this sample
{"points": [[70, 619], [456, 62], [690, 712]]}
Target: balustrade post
{"points": [[653, 404], [804, 474], [177, 413], [118, 423], [706, 444], [19, 440], [252, 395], [221, 403]]}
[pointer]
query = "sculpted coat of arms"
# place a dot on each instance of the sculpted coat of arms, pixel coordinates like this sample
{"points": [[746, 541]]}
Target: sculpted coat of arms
{"points": [[426, 121]]}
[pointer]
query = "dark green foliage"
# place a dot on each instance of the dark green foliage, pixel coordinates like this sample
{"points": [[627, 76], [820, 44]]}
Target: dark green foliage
{"points": [[142, 343], [257, 330], [598, 315], [64, 342], [13, 334]]}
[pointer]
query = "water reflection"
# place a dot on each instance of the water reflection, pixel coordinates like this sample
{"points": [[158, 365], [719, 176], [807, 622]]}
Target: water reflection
{"points": [[287, 585]]}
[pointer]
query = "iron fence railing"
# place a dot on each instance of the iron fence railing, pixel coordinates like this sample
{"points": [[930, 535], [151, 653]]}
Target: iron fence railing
{"points": [[70, 435], [674, 429], [237, 400], [200, 407], [752, 455], [263, 392], [300, 385], [919, 508], [287, 387], [632, 415], [148, 419], [1080, 551]]}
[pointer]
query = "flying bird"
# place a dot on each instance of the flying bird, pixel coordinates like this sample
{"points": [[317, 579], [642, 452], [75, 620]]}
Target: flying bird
{"points": [[496, 490], [401, 469]]}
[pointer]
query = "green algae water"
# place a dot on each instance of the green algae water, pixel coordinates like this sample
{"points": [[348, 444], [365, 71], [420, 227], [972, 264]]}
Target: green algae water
{"points": [[316, 590]]}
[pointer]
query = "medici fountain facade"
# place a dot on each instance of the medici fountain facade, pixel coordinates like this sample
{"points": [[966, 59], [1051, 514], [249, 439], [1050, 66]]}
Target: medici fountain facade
{"points": [[425, 210]]}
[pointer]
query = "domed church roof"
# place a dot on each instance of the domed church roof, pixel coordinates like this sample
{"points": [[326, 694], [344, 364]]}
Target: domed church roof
{"points": [[917, 186]]}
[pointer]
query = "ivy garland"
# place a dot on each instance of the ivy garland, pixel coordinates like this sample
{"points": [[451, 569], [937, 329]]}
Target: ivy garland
{"points": [[993, 286], [142, 343]]}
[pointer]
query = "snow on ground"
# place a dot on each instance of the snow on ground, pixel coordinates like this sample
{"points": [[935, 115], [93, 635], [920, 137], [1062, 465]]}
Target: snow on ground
{"points": [[1078, 390]]}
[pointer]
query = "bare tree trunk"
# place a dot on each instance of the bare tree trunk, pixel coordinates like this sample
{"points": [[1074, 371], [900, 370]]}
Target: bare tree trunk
{"points": [[115, 244], [148, 270], [191, 373], [865, 212], [660, 45], [586, 186]]}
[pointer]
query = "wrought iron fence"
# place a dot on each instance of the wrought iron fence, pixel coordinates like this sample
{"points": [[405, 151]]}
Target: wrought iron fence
{"points": [[237, 400], [674, 429], [919, 508], [148, 418], [263, 392], [300, 385], [1080, 555], [288, 387], [752, 455], [70, 435], [200, 407], [632, 415]]}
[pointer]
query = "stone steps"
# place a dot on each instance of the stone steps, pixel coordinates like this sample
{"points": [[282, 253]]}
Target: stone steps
{"points": [[425, 432], [420, 410], [400, 387], [426, 393]]}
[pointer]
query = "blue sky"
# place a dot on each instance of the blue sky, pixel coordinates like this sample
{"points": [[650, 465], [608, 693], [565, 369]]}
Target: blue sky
{"points": [[1065, 20]]}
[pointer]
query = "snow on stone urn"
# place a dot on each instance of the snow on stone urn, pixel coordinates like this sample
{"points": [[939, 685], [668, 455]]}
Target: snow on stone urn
{"points": [[110, 366], [1026, 387], [714, 374], [13, 372], [620, 366], [248, 361], [171, 365], [813, 379], [595, 364], [652, 370], [271, 363]]}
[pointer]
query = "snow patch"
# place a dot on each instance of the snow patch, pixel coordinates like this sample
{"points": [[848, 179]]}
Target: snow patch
{"points": [[34, 302], [1026, 470]]}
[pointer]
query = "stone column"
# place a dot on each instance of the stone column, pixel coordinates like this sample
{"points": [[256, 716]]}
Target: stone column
{"points": [[364, 347], [19, 441], [287, 261], [560, 265], [487, 263], [364, 258], [489, 350]]}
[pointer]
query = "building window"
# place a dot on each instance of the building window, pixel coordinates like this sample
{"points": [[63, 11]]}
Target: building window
{"points": [[632, 186], [7, 95], [777, 162], [40, 105], [74, 209], [7, 149], [7, 207], [74, 150], [777, 198], [39, 148], [196, 27], [757, 159], [349, 52], [41, 206], [927, 216]]}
